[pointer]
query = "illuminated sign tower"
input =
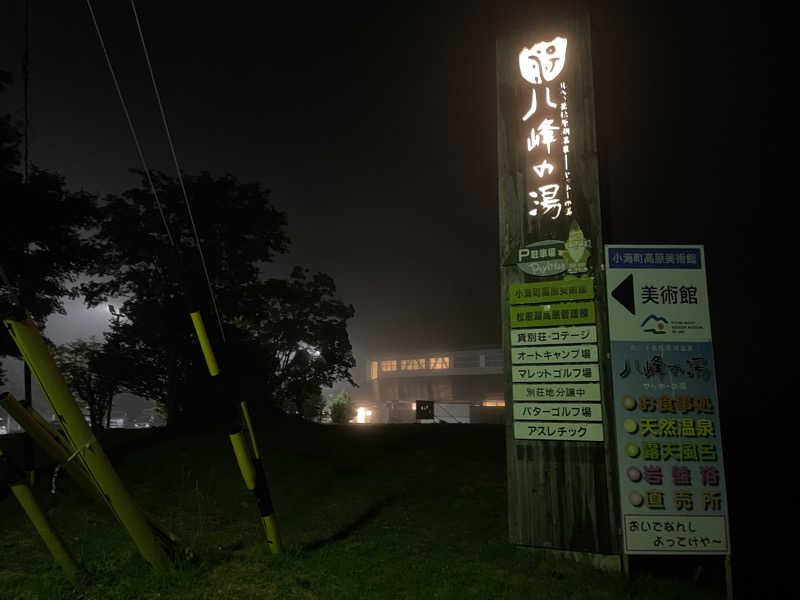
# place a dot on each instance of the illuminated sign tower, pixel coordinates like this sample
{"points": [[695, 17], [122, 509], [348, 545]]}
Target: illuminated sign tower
{"points": [[560, 460], [613, 446]]}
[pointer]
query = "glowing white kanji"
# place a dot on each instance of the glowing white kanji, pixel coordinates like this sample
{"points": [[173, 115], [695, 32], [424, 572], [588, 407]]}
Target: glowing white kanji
{"points": [[550, 103], [533, 140], [547, 200], [533, 106], [545, 135], [543, 60], [541, 169]]}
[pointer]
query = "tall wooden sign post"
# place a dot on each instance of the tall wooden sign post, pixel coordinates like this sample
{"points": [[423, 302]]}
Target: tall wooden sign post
{"points": [[559, 434]]}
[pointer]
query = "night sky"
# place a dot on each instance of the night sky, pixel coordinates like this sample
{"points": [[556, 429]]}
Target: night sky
{"points": [[374, 128]]}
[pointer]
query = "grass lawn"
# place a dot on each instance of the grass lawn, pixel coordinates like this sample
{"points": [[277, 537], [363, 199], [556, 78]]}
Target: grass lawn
{"points": [[364, 512]]}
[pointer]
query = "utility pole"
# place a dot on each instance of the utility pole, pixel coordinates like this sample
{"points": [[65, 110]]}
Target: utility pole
{"points": [[28, 456]]}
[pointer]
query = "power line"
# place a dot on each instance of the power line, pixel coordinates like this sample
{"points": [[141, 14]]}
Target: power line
{"points": [[25, 81], [178, 170], [245, 448], [130, 123]]}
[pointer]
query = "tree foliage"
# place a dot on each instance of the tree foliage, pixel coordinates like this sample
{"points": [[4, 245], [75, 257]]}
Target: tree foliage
{"points": [[316, 408], [44, 241], [162, 280], [238, 227], [283, 338], [302, 325], [94, 373]]}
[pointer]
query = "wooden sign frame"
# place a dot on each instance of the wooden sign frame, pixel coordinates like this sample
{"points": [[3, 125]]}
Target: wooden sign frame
{"points": [[561, 493]]}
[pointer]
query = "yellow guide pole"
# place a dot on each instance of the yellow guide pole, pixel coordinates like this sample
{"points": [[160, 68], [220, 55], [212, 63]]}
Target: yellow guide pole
{"points": [[244, 459], [244, 447], [55, 446], [28, 502], [86, 448], [205, 344], [48, 440], [260, 487]]}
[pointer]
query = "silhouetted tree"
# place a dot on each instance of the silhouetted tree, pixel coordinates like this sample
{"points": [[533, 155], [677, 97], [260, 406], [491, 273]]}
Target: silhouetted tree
{"points": [[301, 324], [94, 373], [239, 231], [315, 409], [44, 241], [285, 337]]}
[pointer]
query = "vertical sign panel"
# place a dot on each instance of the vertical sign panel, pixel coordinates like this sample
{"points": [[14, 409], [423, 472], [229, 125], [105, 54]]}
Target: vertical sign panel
{"points": [[555, 215], [561, 362], [555, 249], [560, 467], [671, 477]]}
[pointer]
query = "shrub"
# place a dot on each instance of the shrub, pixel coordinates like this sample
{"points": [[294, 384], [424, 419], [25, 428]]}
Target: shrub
{"points": [[341, 408]]}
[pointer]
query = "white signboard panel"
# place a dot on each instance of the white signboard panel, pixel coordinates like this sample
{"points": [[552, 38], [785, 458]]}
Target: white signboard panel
{"points": [[555, 392], [676, 534], [657, 292], [561, 431], [543, 336], [665, 406], [554, 354], [558, 411], [555, 373]]}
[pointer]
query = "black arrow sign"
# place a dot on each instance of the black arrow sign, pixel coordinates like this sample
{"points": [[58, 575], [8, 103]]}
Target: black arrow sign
{"points": [[623, 294]]}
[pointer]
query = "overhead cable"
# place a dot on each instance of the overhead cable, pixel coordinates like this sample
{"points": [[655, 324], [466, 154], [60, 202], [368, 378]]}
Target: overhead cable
{"points": [[130, 123], [178, 170]]}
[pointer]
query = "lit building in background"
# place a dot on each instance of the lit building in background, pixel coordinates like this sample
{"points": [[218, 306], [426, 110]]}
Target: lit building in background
{"points": [[465, 386]]}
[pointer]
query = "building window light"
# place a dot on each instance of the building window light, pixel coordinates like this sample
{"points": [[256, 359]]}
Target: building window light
{"points": [[373, 369], [439, 362], [412, 364], [388, 365], [494, 403]]}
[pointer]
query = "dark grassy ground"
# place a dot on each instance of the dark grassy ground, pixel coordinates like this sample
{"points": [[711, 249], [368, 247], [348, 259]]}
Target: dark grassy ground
{"points": [[364, 512]]}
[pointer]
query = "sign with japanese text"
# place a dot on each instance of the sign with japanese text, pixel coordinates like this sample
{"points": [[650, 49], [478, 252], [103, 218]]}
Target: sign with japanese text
{"points": [[552, 291], [673, 534], [671, 474], [657, 291], [555, 354], [550, 373], [558, 411], [552, 213], [558, 431], [554, 335], [565, 313], [547, 129], [555, 392], [555, 370]]}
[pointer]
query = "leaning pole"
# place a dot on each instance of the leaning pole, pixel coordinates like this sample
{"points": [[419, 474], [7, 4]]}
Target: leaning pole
{"points": [[86, 448]]}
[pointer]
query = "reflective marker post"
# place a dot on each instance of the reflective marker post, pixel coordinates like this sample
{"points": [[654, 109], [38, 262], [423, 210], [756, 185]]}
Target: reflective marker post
{"points": [[245, 447], [205, 344]]}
